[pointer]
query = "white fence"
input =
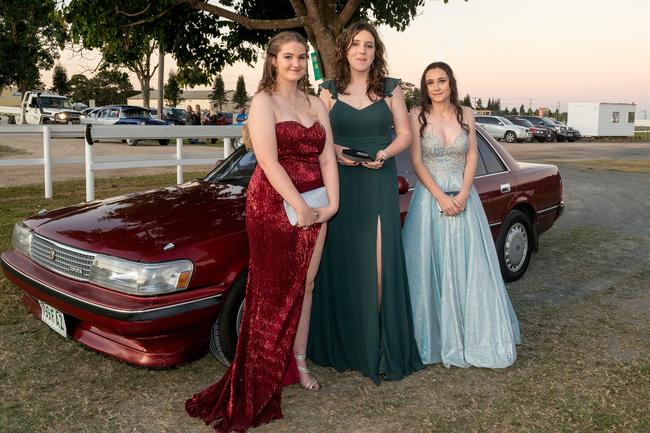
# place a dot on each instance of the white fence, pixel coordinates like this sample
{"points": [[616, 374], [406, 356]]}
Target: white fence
{"points": [[120, 132]]}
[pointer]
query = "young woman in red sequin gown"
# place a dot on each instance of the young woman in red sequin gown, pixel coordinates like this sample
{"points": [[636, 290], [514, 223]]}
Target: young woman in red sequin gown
{"points": [[292, 140]]}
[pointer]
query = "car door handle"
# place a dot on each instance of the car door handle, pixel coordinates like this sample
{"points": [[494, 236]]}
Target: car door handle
{"points": [[505, 187]]}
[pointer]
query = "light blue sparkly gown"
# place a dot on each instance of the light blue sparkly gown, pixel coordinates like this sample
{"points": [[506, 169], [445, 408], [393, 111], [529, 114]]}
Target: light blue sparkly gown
{"points": [[462, 314]]}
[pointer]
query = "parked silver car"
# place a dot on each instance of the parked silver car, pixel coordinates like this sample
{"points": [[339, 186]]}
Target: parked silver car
{"points": [[501, 128]]}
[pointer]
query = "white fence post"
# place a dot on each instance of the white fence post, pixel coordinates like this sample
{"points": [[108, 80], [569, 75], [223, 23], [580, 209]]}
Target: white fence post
{"points": [[90, 178], [179, 158], [47, 161], [227, 147]]}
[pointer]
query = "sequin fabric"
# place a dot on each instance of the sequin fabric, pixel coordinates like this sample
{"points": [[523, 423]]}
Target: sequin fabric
{"points": [[462, 314], [249, 393]]}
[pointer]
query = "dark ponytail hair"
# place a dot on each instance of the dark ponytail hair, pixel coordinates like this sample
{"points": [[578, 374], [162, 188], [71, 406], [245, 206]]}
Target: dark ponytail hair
{"points": [[425, 101]]}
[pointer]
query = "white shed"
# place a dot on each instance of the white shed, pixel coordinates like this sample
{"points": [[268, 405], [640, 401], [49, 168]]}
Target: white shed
{"points": [[602, 118]]}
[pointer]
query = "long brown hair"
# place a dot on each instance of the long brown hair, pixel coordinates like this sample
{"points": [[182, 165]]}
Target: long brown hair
{"points": [[378, 69], [425, 100], [268, 83]]}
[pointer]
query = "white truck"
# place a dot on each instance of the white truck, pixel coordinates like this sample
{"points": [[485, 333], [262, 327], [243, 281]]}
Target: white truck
{"points": [[38, 107]]}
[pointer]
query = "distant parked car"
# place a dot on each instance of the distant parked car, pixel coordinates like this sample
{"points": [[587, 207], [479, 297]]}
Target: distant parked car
{"points": [[126, 115], [157, 278], [88, 114], [560, 132], [175, 116], [572, 134], [218, 118], [540, 133], [501, 128]]}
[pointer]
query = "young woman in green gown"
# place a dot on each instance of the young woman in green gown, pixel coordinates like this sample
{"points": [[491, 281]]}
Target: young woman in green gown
{"points": [[361, 312]]}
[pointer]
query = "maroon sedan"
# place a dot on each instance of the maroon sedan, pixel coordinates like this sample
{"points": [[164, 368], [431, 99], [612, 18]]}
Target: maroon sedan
{"points": [[155, 278]]}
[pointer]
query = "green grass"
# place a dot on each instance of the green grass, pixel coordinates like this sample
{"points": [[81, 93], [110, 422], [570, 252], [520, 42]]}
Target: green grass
{"points": [[583, 365]]}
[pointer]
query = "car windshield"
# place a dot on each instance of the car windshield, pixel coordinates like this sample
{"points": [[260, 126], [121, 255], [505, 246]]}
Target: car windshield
{"points": [[506, 121], [53, 102], [238, 167], [136, 112], [525, 122]]}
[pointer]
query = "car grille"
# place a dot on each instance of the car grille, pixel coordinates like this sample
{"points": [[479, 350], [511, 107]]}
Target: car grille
{"points": [[62, 259]]}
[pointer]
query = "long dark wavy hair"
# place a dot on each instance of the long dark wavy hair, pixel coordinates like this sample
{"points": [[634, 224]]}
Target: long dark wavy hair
{"points": [[378, 69], [425, 100]]}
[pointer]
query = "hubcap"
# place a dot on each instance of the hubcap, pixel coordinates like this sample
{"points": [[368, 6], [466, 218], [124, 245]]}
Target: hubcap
{"points": [[510, 137], [516, 247]]}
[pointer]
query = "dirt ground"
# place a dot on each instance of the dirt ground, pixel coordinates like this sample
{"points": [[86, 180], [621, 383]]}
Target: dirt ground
{"points": [[583, 366]]}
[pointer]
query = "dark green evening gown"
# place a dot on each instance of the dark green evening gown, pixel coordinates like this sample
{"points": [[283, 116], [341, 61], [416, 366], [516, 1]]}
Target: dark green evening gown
{"points": [[348, 330]]}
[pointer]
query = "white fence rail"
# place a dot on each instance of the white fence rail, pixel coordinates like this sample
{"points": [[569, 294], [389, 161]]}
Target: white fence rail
{"points": [[119, 132]]}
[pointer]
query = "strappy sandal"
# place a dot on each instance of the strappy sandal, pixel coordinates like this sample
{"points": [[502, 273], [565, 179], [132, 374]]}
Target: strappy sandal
{"points": [[312, 384]]}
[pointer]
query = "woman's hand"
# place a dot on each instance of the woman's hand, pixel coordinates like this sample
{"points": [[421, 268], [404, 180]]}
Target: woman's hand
{"points": [[460, 200], [380, 159], [448, 205], [306, 217], [341, 159], [325, 213]]}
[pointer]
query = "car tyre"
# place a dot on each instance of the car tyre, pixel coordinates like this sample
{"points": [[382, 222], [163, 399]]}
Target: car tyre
{"points": [[510, 137], [514, 245], [560, 138], [225, 330], [131, 141], [163, 142]]}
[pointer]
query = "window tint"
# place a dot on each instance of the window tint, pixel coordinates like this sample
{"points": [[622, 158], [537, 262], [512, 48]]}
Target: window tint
{"points": [[491, 162], [630, 117], [237, 167]]}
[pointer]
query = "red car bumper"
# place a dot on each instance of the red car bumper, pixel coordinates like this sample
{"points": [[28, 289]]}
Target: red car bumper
{"points": [[153, 332]]}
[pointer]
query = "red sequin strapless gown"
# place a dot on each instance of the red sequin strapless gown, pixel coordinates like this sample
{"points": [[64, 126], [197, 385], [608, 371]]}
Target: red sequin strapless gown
{"points": [[250, 391]]}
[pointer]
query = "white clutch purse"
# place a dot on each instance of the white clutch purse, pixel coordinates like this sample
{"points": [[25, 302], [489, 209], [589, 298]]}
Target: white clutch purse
{"points": [[315, 198]]}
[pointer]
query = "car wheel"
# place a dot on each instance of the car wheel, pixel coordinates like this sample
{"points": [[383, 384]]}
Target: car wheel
{"points": [[163, 142], [514, 246], [571, 140], [131, 141], [510, 137], [560, 139], [225, 330], [541, 140]]}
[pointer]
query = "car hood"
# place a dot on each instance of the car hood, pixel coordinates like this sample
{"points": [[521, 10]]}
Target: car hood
{"points": [[138, 226]]}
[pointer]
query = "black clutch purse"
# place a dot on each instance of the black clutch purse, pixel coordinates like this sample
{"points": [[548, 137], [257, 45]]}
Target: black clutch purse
{"points": [[357, 155]]}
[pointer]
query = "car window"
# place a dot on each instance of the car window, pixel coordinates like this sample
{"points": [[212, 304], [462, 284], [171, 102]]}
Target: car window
{"points": [[491, 162], [238, 167], [491, 120], [136, 112]]}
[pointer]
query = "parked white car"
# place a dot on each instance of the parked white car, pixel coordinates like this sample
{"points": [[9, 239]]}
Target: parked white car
{"points": [[502, 128]]}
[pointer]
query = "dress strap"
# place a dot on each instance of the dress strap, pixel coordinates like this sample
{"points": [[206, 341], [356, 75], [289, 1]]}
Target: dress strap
{"points": [[330, 85], [389, 85]]}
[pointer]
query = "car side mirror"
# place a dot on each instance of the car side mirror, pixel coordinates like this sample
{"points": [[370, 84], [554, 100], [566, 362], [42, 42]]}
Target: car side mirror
{"points": [[402, 185], [500, 123]]}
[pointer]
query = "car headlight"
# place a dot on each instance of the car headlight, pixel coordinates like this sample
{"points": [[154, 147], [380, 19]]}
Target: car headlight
{"points": [[22, 239], [142, 279]]}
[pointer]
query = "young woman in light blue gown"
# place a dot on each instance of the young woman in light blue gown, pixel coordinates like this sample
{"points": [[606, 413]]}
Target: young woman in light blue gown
{"points": [[461, 310]]}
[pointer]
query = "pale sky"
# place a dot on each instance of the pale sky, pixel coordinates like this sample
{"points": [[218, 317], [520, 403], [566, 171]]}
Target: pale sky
{"points": [[551, 51]]}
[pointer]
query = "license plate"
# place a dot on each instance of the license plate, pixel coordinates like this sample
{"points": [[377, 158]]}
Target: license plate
{"points": [[53, 318]]}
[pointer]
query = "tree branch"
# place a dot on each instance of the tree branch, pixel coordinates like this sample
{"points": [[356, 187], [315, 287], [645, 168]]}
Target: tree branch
{"points": [[135, 14], [160, 15], [348, 10], [249, 23]]}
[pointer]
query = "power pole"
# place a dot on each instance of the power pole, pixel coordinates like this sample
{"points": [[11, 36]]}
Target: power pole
{"points": [[161, 79]]}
